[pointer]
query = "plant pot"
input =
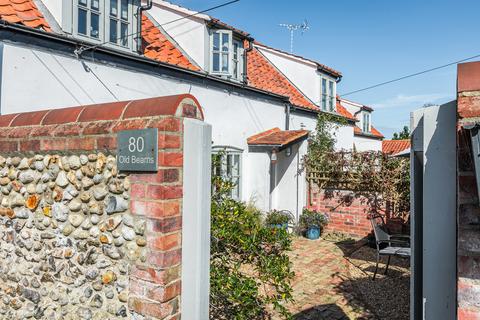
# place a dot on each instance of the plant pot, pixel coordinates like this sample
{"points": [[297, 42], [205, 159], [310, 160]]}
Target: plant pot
{"points": [[280, 226], [313, 233]]}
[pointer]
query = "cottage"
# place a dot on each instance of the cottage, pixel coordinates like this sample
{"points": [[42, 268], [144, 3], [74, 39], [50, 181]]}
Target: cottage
{"points": [[56, 54]]}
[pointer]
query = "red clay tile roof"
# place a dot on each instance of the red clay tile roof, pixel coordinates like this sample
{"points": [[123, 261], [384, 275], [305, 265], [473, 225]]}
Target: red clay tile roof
{"points": [[158, 47], [395, 146], [263, 75], [341, 110], [277, 137], [373, 133], [23, 12]]}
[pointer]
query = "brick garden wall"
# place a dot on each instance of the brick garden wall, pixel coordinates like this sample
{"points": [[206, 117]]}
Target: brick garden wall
{"points": [[468, 212], [78, 238], [348, 214]]}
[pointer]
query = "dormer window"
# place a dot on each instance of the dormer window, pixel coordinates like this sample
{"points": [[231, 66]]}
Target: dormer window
{"points": [[226, 55], [328, 94], [102, 21], [366, 126]]}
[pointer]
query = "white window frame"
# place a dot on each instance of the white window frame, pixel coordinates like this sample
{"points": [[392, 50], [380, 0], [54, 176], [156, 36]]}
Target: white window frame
{"points": [[101, 24], [130, 21], [327, 96], [230, 55], [70, 23], [366, 117], [234, 152]]}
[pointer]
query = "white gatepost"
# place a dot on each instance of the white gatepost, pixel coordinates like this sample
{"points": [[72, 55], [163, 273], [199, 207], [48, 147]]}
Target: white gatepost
{"points": [[196, 220], [433, 213]]}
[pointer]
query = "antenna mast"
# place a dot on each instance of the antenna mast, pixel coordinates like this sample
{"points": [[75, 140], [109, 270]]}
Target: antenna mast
{"points": [[294, 27]]}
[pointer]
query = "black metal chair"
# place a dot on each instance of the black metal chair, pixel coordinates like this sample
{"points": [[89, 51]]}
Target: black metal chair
{"points": [[387, 244]]}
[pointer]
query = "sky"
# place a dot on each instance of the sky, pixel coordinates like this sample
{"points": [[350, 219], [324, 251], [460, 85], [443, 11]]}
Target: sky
{"points": [[370, 41]]}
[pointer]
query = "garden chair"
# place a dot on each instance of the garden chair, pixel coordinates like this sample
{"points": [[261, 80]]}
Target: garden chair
{"points": [[387, 244]]}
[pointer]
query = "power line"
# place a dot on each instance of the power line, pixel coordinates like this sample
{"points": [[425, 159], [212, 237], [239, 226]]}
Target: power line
{"points": [[83, 49], [410, 75]]}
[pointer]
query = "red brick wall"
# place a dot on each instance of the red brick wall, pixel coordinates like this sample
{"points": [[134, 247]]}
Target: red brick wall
{"points": [[348, 214], [468, 211], [155, 285]]}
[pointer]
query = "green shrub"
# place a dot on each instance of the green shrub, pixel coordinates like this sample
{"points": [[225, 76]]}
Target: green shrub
{"points": [[276, 217], [250, 271], [312, 218]]}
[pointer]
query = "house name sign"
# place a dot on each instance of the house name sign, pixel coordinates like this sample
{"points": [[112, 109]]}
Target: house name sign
{"points": [[137, 150]]}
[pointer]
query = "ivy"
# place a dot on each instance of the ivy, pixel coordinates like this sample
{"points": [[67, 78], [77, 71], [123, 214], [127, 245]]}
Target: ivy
{"points": [[250, 269]]}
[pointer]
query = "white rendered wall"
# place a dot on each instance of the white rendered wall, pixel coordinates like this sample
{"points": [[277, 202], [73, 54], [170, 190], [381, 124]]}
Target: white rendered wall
{"points": [[303, 74], [191, 34], [66, 81], [55, 8], [257, 184], [287, 174], [343, 135], [367, 144]]}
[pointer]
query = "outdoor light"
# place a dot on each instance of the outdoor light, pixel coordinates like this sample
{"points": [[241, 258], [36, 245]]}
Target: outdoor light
{"points": [[274, 156], [288, 151]]}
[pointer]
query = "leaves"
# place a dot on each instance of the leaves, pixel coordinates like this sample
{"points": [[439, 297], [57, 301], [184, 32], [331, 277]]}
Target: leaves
{"points": [[250, 269]]}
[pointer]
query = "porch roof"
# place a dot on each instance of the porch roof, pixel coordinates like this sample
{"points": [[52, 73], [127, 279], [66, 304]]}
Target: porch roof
{"points": [[277, 138]]}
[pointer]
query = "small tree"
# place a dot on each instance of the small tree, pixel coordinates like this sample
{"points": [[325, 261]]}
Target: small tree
{"points": [[250, 271], [404, 134]]}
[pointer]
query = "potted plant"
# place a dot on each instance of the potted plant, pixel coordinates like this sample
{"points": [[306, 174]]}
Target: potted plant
{"points": [[277, 219], [312, 222]]}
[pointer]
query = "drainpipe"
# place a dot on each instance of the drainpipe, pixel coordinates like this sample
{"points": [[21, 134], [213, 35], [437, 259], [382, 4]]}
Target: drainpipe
{"points": [[287, 118], [140, 10], [250, 48]]}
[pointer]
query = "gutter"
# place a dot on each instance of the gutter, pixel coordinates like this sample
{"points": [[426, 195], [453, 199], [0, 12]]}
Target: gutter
{"points": [[130, 56]]}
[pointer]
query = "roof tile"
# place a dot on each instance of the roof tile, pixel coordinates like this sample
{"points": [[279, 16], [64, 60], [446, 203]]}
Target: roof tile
{"points": [[158, 47], [263, 75], [373, 132], [277, 137], [395, 146], [23, 12]]}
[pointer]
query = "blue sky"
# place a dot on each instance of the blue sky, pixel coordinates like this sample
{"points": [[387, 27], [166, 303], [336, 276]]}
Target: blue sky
{"points": [[370, 41]]}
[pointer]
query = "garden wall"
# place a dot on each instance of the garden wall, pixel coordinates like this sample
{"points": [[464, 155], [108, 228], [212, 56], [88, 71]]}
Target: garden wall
{"points": [[468, 209], [347, 214], [78, 238]]}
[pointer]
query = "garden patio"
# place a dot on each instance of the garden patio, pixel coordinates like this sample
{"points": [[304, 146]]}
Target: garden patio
{"points": [[333, 281]]}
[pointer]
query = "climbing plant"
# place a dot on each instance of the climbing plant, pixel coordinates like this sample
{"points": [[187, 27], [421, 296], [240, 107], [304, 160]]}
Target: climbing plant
{"points": [[250, 270], [382, 180]]}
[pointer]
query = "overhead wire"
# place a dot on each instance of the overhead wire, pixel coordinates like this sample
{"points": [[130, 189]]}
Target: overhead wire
{"points": [[79, 51], [410, 75]]}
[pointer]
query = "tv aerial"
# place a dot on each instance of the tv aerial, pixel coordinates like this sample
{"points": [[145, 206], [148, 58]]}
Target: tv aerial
{"points": [[304, 27]]}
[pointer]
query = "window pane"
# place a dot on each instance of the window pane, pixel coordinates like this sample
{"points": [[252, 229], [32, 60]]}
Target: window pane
{"points": [[225, 42], [82, 21], [113, 31], [124, 9], [216, 62], [235, 50], [95, 5], [216, 41], [113, 8], [82, 2], [124, 33], [224, 62], [324, 86], [94, 24]]}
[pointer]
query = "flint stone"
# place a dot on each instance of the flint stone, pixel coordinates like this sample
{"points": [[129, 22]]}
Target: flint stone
{"points": [[116, 204]]}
